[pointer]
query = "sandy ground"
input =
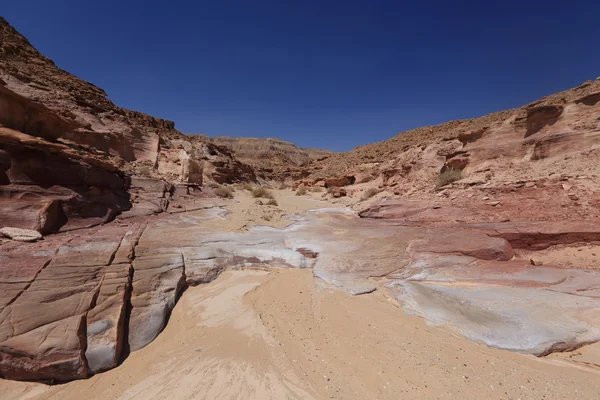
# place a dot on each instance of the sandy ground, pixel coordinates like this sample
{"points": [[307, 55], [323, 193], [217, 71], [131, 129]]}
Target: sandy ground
{"points": [[282, 334], [246, 211]]}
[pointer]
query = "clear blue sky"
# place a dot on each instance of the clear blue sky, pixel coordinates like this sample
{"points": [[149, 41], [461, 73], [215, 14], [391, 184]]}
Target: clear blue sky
{"points": [[329, 74]]}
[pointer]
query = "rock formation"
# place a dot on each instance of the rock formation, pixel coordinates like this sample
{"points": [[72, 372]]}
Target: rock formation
{"points": [[544, 140], [66, 151], [523, 193], [273, 159]]}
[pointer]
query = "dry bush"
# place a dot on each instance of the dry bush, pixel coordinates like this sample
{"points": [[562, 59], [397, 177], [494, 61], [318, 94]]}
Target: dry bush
{"points": [[262, 192], [224, 192], [145, 170], [213, 185], [247, 186], [272, 202], [448, 176], [301, 191], [316, 189], [370, 193]]}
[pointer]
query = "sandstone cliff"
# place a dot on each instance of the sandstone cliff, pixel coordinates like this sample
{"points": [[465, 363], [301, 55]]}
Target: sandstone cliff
{"points": [[66, 151], [272, 158], [554, 136]]}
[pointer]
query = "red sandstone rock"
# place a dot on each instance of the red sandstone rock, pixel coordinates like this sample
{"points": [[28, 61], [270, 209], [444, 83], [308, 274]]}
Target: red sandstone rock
{"points": [[338, 192]]}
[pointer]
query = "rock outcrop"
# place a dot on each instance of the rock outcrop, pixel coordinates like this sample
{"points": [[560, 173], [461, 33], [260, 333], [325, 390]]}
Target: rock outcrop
{"points": [[549, 138], [66, 151], [273, 159]]}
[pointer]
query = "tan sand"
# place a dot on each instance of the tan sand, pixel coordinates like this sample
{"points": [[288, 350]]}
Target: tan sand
{"points": [[246, 212], [282, 334]]}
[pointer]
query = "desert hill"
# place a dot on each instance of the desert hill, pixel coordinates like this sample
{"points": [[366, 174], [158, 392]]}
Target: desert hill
{"points": [[515, 144], [272, 158]]}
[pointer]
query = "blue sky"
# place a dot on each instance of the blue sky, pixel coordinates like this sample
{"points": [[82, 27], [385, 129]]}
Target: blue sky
{"points": [[328, 74]]}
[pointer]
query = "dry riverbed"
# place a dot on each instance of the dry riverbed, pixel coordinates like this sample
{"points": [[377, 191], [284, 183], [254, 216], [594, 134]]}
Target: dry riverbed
{"points": [[282, 334]]}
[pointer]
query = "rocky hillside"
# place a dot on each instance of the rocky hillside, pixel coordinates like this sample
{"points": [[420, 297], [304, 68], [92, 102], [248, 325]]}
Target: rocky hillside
{"points": [[95, 122], [553, 136], [272, 158], [67, 152]]}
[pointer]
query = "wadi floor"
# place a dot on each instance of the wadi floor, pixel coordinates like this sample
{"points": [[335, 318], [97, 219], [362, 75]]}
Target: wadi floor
{"points": [[283, 334]]}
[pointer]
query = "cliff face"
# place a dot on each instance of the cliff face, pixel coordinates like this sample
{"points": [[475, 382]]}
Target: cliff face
{"points": [[272, 158], [94, 121], [554, 136], [67, 151]]}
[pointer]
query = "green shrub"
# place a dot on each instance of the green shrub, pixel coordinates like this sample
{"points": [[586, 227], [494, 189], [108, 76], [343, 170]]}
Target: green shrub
{"points": [[262, 192], [448, 176], [224, 192]]}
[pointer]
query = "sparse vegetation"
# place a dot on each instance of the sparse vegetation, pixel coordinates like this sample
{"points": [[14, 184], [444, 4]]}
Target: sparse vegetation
{"points": [[214, 185], [272, 202], [283, 186], [316, 189], [448, 176], [301, 191], [247, 186], [224, 192], [370, 193], [262, 192], [145, 170]]}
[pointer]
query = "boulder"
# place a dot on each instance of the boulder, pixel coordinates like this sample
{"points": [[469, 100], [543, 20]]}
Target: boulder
{"points": [[338, 192], [340, 181]]}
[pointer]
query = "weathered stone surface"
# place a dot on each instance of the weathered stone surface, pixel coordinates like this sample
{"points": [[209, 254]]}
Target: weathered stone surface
{"points": [[58, 288], [157, 282], [50, 187], [339, 181], [338, 192], [106, 321], [65, 148], [510, 305]]}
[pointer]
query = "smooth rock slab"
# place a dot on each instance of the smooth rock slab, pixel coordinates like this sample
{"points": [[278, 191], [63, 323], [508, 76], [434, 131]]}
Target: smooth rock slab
{"points": [[505, 304], [529, 320]]}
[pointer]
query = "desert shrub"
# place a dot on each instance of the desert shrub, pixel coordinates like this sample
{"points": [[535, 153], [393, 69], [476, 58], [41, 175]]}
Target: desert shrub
{"points": [[301, 191], [213, 185], [272, 202], [145, 170], [316, 189], [248, 186], [283, 186], [262, 192], [448, 176], [370, 193], [224, 192]]}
